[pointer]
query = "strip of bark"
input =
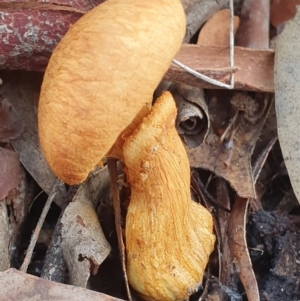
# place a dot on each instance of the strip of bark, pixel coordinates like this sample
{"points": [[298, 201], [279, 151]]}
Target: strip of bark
{"points": [[239, 250], [255, 68]]}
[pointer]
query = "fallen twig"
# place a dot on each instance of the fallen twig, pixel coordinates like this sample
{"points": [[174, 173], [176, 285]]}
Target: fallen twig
{"points": [[39, 225]]}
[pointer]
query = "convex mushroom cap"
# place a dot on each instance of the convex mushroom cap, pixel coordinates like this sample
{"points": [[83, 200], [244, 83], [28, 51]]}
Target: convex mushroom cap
{"points": [[100, 75]]}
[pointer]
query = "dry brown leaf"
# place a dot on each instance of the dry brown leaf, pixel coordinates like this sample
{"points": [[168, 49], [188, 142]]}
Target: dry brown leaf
{"points": [[15, 286], [83, 242], [10, 123], [287, 91], [198, 13], [21, 89], [215, 31], [239, 250], [254, 68], [9, 171], [231, 159], [253, 31], [282, 10]]}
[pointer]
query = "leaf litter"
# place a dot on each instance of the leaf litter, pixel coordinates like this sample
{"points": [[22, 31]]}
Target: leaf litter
{"points": [[231, 138]]}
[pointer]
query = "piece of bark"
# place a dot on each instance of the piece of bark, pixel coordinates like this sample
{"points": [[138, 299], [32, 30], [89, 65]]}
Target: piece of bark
{"points": [[215, 31], [192, 122], [287, 91], [239, 250], [199, 13], [15, 285], [31, 30], [83, 242], [253, 31], [76, 5], [21, 89], [255, 68]]}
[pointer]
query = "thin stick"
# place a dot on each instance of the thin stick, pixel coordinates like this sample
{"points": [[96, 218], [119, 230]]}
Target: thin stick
{"points": [[39, 225], [231, 59], [231, 43], [113, 173]]}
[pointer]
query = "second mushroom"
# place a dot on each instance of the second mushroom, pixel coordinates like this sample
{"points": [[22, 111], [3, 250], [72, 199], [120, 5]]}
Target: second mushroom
{"points": [[168, 236]]}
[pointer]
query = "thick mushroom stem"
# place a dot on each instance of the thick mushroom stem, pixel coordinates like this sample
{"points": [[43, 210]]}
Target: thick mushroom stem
{"points": [[168, 237]]}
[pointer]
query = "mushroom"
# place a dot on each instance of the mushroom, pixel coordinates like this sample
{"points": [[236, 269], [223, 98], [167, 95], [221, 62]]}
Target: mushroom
{"points": [[99, 77], [169, 237]]}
